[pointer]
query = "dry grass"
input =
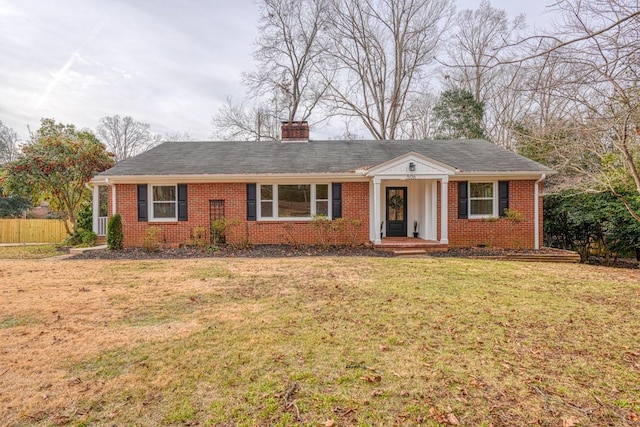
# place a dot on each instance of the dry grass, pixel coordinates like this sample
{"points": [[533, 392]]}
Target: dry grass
{"points": [[29, 251], [356, 341]]}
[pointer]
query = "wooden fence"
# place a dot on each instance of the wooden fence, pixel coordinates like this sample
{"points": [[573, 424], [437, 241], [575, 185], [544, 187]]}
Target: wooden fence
{"points": [[32, 231]]}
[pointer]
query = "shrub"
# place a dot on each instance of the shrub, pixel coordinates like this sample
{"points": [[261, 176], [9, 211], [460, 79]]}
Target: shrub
{"points": [[289, 235], [88, 237], [220, 228], [115, 239], [72, 240], [218, 231], [354, 232], [591, 224], [322, 227], [199, 237], [243, 241], [84, 219], [514, 216], [151, 242]]}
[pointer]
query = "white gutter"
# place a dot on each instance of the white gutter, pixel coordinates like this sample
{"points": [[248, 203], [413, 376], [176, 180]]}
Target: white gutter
{"points": [[192, 178], [519, 174], [536, 212]]}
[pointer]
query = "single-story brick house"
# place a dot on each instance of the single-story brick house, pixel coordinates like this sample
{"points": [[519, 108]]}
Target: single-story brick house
{"points": [[457, 192]]}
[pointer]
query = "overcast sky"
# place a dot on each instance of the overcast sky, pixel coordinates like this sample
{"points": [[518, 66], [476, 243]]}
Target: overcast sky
{"points": [[169, 63]]}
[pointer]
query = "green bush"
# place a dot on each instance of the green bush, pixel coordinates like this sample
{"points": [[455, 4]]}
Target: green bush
{"points": [[88, 237], [72, 240], [13, 206], [591, 224], [115, 239], [81, 237], [84, 219]]}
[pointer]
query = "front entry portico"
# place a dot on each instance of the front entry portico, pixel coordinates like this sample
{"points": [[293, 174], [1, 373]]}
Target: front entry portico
{"points": [[407, 191]]}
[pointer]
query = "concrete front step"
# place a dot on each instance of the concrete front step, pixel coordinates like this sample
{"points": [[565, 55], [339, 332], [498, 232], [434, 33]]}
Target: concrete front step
{"points": [[408, 252], [399, 244]]}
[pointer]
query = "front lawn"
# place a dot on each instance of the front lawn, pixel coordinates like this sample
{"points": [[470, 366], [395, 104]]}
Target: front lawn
{"points": [[29, 251], [318, 341]]}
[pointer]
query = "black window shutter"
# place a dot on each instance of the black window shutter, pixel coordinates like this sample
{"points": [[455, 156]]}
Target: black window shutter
{"points": [[336, 200], [463, 200], [143, 210], [503, 197], [182, 202], [251, 202]]}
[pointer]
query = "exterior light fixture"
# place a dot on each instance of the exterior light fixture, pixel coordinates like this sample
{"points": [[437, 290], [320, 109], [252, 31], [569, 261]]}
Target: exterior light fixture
{"points": [[412, 167]]}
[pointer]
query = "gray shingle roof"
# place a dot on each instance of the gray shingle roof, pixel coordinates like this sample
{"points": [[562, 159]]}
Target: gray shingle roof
{"points": [[207, 157]]}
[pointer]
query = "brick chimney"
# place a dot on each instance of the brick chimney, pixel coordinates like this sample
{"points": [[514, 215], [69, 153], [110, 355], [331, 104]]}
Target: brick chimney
{"points": [[295, 131]]}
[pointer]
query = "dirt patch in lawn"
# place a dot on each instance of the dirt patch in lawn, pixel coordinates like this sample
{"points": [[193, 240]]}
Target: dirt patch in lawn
{"points": [[318, 341]]}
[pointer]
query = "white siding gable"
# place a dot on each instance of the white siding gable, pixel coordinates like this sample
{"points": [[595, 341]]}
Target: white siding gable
{"points": [[401, 167]]}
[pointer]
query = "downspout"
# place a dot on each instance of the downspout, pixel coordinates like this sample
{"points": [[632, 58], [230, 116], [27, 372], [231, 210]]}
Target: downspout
{"points": [[536, 212]]}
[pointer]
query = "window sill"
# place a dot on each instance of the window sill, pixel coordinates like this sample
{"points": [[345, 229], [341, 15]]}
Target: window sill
{"points": [[483, 217], [301, 219]]}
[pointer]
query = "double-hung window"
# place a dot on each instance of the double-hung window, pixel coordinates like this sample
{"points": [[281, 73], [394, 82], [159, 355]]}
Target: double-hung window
{"points": [[293, 201], [164, 202], [482, 200], [322, 199]]}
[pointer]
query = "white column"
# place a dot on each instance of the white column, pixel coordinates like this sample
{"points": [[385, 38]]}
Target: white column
{"points": [[444, 210], [376, 209], [434, 211], [113, 199], [96, 207]]}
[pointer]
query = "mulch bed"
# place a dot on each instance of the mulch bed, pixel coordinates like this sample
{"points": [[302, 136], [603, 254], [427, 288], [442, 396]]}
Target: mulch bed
{"points": [[283, 251], [256, 251]]}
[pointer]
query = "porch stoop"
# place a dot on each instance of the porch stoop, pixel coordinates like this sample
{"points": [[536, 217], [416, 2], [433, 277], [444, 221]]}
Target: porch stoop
{"points": [[407, 246]]}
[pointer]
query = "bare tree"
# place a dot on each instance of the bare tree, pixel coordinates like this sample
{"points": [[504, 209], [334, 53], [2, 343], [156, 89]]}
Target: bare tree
{"points": [[378, 52], [176, 136], [482, 39], [125, 137], [237, 122], [287, 51], [601, 87], [8, 144], [419, 120]]}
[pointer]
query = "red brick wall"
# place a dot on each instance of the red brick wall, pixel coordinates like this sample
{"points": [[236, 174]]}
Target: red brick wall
{"points": [[355, 207], [501, 232]]}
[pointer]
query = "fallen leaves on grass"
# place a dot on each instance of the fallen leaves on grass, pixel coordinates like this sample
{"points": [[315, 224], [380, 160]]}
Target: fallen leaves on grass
{"points": [[570, 422], [371, 378]]}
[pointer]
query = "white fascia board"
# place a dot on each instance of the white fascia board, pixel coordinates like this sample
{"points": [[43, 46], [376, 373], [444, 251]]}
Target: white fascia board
{"points": [[417, 178], [517, 175], [206, 178]]}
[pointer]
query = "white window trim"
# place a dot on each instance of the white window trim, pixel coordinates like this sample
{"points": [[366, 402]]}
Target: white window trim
{"points": [[274, 202], [150, 202], [495, 200]]}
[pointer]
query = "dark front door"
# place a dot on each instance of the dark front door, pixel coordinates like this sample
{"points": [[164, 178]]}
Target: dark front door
{"points": [[396, 211]]}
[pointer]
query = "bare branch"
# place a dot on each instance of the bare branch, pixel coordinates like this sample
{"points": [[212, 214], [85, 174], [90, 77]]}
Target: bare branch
{"points": [[125, 137], [378, 52], [8, 144]]}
